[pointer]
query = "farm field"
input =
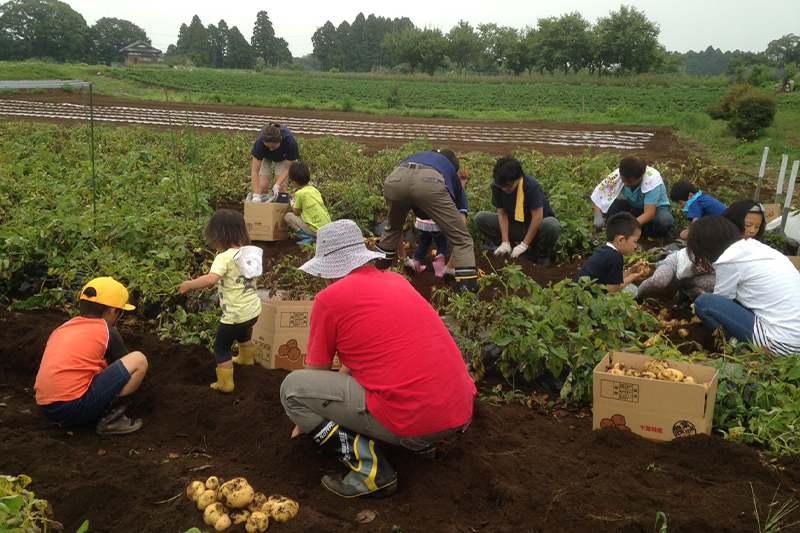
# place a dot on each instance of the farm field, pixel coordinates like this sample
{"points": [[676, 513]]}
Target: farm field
{"points": [[135, 209]]}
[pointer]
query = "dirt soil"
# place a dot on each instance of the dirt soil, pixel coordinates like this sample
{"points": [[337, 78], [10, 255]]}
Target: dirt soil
{"points": [[388, 130], [519, 467]]}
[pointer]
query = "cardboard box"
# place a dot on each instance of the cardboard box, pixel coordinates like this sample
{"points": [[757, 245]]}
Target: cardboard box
{"points": [[265, 221], [772, 211], [281, 334], [653, 408]]}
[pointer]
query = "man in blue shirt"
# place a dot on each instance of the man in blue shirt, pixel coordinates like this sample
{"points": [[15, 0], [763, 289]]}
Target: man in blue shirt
{"points": [[523, 214], [428, 183]]}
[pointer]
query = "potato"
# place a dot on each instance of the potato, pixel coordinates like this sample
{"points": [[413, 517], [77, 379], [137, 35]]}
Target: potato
{"points": [[670, 374], [648, 375], [705, 386], [683, 332], [207, 498], [213, 512], [222, 523], [236, 493], [194, 490], [616, 372], [259, 499], [240, 516], [655, 365], [689, 379], [282, 508], [632, 372], [212, 483], [257, 523]]}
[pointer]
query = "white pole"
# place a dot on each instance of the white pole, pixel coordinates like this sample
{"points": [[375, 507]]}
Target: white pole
{"points": [[779, 190], [789, 193], [761, 173]]}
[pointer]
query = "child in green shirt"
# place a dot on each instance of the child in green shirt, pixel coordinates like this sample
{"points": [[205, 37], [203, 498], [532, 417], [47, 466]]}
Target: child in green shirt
{"points": [[308, 212]]}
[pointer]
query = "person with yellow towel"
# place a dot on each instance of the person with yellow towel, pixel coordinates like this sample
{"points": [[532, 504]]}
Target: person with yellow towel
{"points": [[523, 215]]}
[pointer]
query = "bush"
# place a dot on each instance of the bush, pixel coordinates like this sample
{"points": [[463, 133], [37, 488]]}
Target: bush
{"points": [[748, 111]]}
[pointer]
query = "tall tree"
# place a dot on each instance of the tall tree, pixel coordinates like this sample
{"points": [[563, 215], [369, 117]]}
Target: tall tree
{"points": [[326, 45], [405, 45], [563, 43], [43, 28], [193, 44], [239, 53], [272, 50], [218, 41], [784, 50], [463, 45], [109, 35], [433, 47], [628, 41]]}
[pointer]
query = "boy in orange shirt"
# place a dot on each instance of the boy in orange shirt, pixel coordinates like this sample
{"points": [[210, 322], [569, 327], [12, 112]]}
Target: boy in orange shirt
{"points": [[86, 374]]}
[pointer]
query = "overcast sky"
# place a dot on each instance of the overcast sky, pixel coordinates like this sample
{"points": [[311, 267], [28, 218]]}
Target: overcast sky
{"points": [[747, 25]]}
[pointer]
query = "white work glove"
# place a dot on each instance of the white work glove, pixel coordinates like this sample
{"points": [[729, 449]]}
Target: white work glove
{"points": [[291, 202], [519, 249], [598, 221], [503, 249], [276, 189], [256, 198]]}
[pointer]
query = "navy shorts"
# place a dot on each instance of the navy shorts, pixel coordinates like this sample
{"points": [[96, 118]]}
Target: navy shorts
{"points": [[227, 333], [88, 408]]}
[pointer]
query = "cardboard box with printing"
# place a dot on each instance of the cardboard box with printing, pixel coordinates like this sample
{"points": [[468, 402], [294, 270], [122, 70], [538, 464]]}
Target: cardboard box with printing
{"points": [[653, 408], [265, 221], [281, 334]]}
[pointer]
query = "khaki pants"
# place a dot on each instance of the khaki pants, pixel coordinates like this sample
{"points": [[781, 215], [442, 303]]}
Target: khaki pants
{"points": [[423, 186], [268, 166], [295, 222], [311, 396]]}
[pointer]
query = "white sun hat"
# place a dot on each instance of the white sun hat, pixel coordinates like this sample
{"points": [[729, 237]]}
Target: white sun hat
{"points": [[340, 250]]}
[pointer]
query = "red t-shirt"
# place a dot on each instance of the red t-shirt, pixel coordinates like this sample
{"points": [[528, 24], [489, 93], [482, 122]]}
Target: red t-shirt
{"points": [[75, 352], [397, 348]]}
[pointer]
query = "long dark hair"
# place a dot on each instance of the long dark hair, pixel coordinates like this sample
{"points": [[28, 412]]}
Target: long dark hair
{"points": [[709, 237], [740, 209], [226, 229]]}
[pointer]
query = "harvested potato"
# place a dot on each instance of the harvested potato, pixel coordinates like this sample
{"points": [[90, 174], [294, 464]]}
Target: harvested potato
{"points": [[213, 512], [663, 313], [655, 365], [632, 372], [683, 332], [615, 371], [648, 375], [257, 523], [240, 516], [705, 386], [195, 489], [207, 498], [670, 374], [689, 379], [222, 523], [259, 499], [236, 493], [212, 483], [282, 508]]}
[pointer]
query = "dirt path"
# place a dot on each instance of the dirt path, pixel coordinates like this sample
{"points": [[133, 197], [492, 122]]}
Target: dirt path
{"points": [[496, 137]]}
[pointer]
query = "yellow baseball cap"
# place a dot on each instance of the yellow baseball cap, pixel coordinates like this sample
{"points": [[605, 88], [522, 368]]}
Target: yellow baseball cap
{"points": [[106, 291]]}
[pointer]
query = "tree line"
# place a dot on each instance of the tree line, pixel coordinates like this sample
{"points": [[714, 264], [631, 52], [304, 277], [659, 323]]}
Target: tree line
{"points": [[52, 29], [623, 42]]}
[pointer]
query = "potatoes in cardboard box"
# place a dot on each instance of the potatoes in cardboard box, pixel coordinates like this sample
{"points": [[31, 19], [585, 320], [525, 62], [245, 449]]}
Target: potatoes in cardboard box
{"points": [[265, 221], [657, 409], [281, 334]]}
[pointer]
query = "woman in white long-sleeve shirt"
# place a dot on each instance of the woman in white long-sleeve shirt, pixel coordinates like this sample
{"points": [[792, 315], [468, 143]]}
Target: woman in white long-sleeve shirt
{"points": [[757, 292]]}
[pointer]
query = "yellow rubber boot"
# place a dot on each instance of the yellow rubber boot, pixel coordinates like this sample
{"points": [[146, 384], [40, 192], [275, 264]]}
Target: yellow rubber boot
{"points": [[247, 355], [224, 381]]}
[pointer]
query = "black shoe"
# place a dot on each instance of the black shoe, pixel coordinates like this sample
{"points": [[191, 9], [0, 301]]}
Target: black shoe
{"points": [[543, 260]]}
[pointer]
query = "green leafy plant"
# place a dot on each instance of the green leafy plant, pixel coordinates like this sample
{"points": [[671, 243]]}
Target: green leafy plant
{"points": [[22, 512]]}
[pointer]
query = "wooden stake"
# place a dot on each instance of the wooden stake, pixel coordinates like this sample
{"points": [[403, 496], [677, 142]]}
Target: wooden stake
{"points": [[761, 174], [779, 190], [789, 193]]}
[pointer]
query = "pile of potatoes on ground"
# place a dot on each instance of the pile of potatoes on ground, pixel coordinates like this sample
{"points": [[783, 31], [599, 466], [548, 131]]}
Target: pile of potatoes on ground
{"points": [[655, 368], [668, 325], [235, 502]]}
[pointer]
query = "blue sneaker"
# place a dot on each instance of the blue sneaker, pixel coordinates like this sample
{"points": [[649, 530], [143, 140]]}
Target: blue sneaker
{"points": [[305, 238]]}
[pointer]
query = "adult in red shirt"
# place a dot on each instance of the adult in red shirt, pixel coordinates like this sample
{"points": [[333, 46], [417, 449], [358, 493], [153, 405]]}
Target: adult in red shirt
{"points": [[406, 386]]}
